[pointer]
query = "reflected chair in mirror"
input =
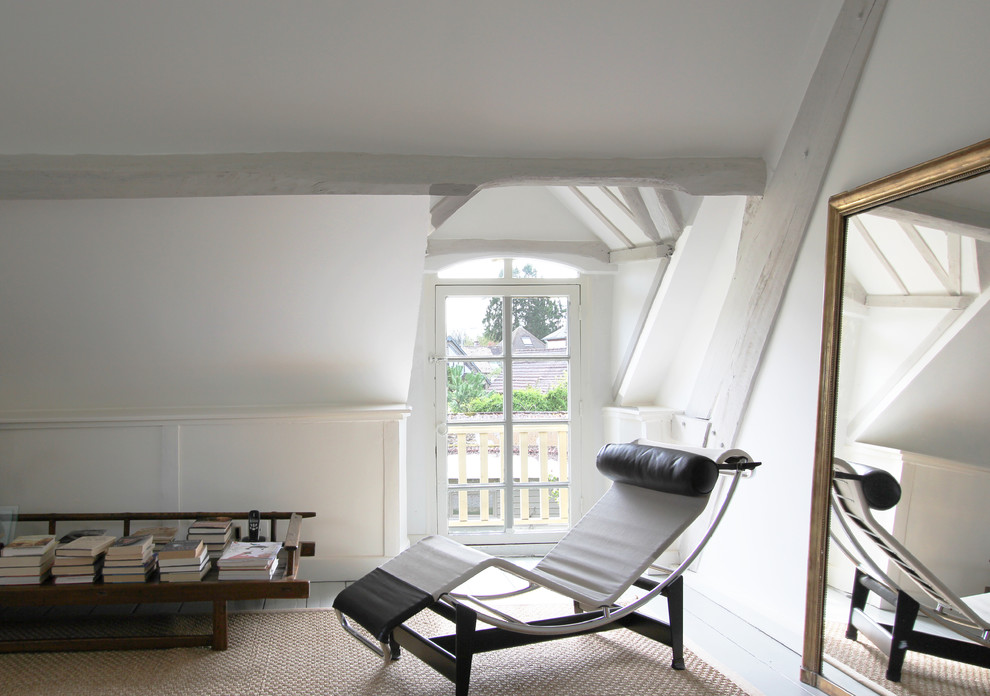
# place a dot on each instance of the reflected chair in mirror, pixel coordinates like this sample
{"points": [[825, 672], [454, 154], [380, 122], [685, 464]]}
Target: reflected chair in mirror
{"points": [[656, 493], [858, 490]]}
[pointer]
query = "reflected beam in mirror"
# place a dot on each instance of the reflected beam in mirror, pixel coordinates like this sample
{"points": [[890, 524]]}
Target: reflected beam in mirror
{"points": [[925, 211], [858, 225], [912, 366]]}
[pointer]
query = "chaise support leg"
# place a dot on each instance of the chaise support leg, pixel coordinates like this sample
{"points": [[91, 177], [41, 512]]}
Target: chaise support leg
{"points": [[675, 611], [860, 592], [466, 621], [905, 614]]}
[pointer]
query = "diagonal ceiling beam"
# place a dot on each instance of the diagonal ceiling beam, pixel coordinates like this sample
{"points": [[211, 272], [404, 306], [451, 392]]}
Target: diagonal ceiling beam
{"points": [[770, 242], [641, 214], [881, 257], [928, 256]]}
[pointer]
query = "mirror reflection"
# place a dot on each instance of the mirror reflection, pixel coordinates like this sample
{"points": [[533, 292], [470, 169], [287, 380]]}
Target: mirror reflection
{"points": [[913, 401]]}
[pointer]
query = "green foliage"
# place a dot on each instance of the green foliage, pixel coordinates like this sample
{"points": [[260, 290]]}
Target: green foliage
{"points": [[541, 316], [462, 387], [489, 403], [530, 400]]}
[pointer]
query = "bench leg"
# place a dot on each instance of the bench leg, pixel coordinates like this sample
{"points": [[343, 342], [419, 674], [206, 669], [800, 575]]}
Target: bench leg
{"points": [[219, 624]]}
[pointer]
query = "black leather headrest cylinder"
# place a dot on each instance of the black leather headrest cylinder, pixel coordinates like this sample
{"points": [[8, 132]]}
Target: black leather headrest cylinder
{"points": [[658, 468], [880, 489]]}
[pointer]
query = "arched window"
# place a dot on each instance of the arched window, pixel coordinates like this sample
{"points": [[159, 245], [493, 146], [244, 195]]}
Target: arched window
{"points": [[507, 347]]}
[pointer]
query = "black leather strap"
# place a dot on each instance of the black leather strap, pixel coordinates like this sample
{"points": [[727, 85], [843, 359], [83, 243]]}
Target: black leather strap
{"points": [[380, 601]]}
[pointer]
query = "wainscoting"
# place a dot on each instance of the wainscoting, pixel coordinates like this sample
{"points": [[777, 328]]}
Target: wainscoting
{"points": [[348, 466]]}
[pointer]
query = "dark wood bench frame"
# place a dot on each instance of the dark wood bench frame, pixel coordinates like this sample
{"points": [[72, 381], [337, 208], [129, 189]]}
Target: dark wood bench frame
{"points": [[286, 585]]}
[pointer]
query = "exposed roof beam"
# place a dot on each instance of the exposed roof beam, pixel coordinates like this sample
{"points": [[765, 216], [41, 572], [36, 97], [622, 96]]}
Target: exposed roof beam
{"points": [[641, 253], [323, 173], [919, 301], [641, 214], [602, 217], [770, 241], [936, 340], [517, 247], [878, 253], [927, 255], [925, 211]]}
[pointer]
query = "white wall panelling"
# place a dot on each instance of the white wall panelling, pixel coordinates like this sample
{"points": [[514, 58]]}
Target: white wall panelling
{"points": [[347, 466]]}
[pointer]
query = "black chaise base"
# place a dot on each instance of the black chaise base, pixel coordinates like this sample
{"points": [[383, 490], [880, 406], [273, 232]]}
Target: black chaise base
{"points": [[451, 655]]}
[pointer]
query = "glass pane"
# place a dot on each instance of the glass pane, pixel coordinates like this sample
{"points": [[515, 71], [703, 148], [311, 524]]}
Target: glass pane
{"points": [[542, 456], [474, 391], [539, 389], [539, 509], [536, 268], [474, 270], [474, 456], [473, 325], [474, 511], [539, 325]]}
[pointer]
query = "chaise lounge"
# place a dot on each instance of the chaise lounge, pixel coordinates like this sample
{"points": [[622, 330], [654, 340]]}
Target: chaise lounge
{"points": [[857, 490], [657, 492]]}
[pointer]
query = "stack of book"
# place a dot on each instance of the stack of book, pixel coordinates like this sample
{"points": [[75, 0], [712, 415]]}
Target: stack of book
{"points": [[27, 560], [161, 535], [183, 561], [130, 559], [249, 560], [81, 560], [215, 533], [76, 533]]}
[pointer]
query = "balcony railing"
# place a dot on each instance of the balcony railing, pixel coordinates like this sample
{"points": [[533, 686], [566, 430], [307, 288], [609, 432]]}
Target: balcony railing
{"points": [[476, 481]]}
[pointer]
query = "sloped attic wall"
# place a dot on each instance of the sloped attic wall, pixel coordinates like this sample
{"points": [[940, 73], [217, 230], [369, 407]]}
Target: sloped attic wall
{"points": [[215, 302], [213, 354]]}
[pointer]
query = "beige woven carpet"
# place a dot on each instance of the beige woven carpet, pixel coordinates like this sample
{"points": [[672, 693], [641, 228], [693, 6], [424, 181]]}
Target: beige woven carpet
{"points": [[306, 652], [922, 675]]}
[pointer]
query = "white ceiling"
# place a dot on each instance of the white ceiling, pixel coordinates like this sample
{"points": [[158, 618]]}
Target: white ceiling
{"points": [[624, 78]]}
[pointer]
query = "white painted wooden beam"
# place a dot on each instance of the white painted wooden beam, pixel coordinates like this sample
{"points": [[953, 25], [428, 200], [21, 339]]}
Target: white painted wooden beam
{"points": [[641, 253], [641, 214], [770, 243], [604, 219], [936, 340], [516, 247], [919, 301], [871, 243], [323, 173], [927, 212], [927, 255]]}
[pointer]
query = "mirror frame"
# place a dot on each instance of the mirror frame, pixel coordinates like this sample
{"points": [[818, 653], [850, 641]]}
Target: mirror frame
{"points": [[955, 166]]}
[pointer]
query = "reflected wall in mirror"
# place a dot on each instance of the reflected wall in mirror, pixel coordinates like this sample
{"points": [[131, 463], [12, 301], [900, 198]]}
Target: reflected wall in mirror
{"points": [[904, 390]]}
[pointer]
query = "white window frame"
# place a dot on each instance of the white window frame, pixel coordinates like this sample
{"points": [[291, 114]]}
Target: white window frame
{"points": [[509, 287]]}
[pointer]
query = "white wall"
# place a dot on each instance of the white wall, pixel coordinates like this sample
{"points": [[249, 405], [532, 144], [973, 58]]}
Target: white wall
{"points": [[925, 92], [213, 354], [208, 302]]}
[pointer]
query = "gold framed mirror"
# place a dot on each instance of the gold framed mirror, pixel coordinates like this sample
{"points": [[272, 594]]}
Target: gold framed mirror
{"points": [[853, 416]]}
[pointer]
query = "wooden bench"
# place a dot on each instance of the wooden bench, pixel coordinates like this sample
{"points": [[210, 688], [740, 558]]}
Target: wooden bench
{"points": [[285, 585]]}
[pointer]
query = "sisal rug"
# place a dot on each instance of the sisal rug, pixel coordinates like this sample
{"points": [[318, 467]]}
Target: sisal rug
{"points": [[306, 652], [922, 675]]}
